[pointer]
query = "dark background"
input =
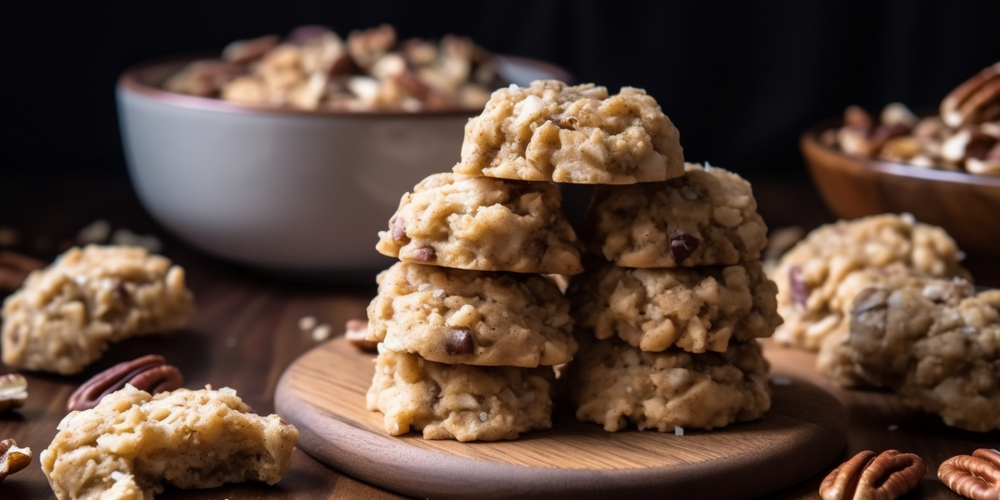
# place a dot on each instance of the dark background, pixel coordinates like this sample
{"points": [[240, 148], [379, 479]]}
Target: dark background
{"points": [[740, 80]]}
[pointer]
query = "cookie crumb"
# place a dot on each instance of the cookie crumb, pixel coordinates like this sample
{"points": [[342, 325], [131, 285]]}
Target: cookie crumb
{"points": [[96, 232], [678, 430], [307, 323], [321, 332]]}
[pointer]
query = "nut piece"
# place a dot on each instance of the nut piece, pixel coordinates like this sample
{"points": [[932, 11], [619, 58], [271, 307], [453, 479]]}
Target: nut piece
{"points": [[14, 268], [976, 477], [13, 391], [357, 330], [149, 373], [868, 476], [972, 101], [13, 458]]}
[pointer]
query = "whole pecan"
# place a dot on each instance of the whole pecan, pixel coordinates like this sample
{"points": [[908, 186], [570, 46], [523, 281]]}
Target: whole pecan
{"points": [[149, 373], [976, 477], [867, 476], [12, 458], [975, 100], [13, 391]]}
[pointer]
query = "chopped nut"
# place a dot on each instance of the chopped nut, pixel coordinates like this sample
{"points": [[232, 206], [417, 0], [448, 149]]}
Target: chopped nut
{"points": [[967, 102], [398, 228], [242, 51], [95, 232], [357, 333], [857, 118], [898, 114], [976, 477], [12, 458], [149, 373], [798, 286], [682, 245], [424, 254], [13, 391], [885, 476], [460, 342], [367, 46]]}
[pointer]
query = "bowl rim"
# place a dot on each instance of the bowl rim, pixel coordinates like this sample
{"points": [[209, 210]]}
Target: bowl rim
{"points": [[134, 77], [811, 136]]}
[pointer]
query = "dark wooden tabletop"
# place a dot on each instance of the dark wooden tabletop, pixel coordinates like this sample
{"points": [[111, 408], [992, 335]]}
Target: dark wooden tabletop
{"points": [[245, 333]]}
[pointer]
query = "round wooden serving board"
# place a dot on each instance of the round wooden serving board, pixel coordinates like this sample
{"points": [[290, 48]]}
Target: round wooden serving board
{"points": [[323, 394]]}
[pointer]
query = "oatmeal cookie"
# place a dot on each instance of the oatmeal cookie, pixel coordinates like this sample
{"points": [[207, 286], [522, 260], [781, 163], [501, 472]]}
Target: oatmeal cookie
{"points": [[471, 317], [66, 315], [133, 443], [614, 384], [551, 131], [695, 309], [708, 217], [483, 224], [467, 403], [937, 345], [811, 273]]}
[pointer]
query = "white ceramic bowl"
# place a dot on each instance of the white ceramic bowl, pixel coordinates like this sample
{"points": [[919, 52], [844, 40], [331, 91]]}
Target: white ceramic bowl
{"points": [[301, 192]]}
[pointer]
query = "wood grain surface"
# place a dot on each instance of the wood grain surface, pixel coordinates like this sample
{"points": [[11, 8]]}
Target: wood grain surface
{"points": [[245, 334], [323, 394]]}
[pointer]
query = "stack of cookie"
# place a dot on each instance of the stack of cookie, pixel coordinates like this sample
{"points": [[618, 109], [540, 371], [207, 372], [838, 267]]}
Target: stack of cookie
{"points": [[668, 323], [468, 326]]}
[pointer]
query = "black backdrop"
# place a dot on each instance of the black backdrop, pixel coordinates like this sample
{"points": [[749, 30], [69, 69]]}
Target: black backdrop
{"points": [[740, 79]]}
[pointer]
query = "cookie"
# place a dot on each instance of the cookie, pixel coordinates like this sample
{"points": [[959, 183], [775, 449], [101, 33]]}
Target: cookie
{"points": [[707, 217], [483, 224], [133, 444], [695, 309], [810, 274], [551, 131], [467, 403], [471, 317], [937, 345], [65, 316], [614, 384]]}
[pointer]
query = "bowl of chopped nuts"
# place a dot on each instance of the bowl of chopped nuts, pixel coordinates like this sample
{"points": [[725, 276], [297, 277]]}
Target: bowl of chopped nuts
{"points": [[289, 154], [943, 168]]}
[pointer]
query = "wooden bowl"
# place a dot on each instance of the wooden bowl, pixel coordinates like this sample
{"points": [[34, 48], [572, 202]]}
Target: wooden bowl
{"points": [[966, 205]]}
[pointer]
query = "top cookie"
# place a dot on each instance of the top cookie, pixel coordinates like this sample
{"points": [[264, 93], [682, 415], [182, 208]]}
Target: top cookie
{"points": [[708, 217], [483, 224], [811, 274], [551, 131]]}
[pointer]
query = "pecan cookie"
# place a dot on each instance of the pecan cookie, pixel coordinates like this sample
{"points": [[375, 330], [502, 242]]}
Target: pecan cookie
{"points": [[936, 344], [614, 384], [708, 217], [133, 443], [810, 275], [65, 315], [695, 309], [484, 224], [551, 131], [467, 403], [471, 317]]}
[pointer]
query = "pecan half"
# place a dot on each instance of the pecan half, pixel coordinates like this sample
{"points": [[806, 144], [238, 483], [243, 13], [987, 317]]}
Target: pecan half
{"points": [[13, 391], [976, 477], [974, 100], [357, 333], [149, 373], [867, 476], [12, 458]]}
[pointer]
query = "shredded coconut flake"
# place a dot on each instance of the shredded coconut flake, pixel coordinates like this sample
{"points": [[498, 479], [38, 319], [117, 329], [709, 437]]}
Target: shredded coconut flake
{"points": [[228, 390], [678, 430], [482, 416]]}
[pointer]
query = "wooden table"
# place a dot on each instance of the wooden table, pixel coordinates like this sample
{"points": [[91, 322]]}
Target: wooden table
{"points": [[245, 333]]}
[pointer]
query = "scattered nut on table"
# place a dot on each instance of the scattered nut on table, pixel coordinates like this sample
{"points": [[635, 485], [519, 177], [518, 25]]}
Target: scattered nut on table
{"points": [[870, 476], [356, 331], [149, 373], [13, 391], [976, 476], [12, 458]]}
